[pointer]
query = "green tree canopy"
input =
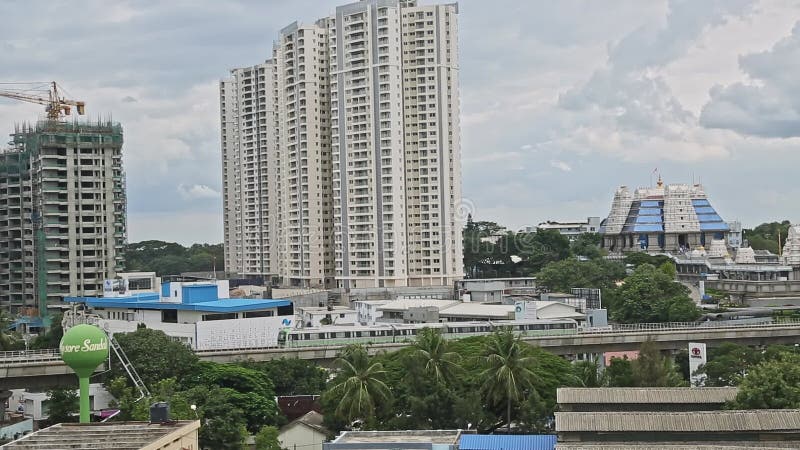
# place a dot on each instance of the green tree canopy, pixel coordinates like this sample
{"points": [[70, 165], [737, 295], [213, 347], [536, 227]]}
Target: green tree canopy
{"points": [[155, 355], [50, 338], [9, 340], [292, 376], [267, 439], [728, 364], [619, 373], [765, 236], [569, 273], [170, 258], [62, 405], [587, 245], [772, 384], [650, 295], [652, 369]]}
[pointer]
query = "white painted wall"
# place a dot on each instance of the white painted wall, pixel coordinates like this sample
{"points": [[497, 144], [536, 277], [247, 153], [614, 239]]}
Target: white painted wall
{"points": [[338, 317], [241, 333], [367, 311], [299, 436]]}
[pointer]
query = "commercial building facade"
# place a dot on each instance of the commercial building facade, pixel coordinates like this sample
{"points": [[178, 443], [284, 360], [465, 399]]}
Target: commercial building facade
{"points": [[365, 160], [62, 212]]}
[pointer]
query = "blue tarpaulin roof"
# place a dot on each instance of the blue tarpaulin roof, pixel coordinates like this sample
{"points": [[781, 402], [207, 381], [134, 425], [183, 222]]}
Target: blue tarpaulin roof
{"points": [[511, 442]]}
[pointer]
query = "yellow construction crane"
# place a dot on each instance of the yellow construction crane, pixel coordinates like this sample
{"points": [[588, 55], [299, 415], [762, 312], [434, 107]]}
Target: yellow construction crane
{"points": [[48, 94]]}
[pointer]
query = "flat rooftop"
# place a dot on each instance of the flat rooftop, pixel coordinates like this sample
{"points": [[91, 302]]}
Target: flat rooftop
{"points": [[413, 436], [114, 435]]}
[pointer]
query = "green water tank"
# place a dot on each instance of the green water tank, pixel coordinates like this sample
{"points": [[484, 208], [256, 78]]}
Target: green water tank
{"points": [[83, 348]]}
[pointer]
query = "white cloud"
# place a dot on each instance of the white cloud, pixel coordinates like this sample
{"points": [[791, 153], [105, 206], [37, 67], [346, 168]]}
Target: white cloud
{"points": [[526, 147], [560, 165], [197, 192]]}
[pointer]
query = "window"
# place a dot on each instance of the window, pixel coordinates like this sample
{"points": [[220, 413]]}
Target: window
{"points": [[169, 316], [219, 316], [253, 314]]}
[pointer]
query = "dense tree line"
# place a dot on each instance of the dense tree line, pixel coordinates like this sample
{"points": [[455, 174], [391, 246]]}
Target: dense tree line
{"points": [[170, 258], [484, 382], [513, 254], [231, 400], [765, 236], [643, 293]]}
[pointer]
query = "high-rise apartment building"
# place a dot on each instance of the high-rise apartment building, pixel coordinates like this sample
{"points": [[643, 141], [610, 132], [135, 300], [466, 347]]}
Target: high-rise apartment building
{"points": [[62, 212], [303, 155], [366, 155], [247, 111]]}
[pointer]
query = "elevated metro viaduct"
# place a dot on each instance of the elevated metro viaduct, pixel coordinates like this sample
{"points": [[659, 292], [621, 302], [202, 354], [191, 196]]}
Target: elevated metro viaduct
{"points": [[46, 369]]}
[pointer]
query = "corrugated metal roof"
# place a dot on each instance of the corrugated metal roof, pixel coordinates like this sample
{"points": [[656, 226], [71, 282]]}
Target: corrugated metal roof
{"points": [[691, 421], [646, 395], [511, 442]]}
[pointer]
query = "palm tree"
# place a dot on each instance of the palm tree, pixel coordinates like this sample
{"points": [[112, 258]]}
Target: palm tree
{"points": [[360, 384], [431, 349], [508, 370]]}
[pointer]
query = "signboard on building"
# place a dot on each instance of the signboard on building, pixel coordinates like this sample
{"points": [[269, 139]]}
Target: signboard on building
{"points": [[592, 296], [523, 311], [115, 288], [697, 358]]}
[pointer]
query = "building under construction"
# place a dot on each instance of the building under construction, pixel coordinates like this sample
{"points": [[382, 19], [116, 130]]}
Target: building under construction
{"points": [[62, 212], [674, 218]]}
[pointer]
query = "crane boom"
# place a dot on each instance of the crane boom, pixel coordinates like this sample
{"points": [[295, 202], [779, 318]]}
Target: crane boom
{"points": [[56, 105]]}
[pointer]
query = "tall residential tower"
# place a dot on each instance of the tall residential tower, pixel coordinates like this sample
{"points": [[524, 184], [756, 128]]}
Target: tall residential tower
{"points": [[365, 158]]}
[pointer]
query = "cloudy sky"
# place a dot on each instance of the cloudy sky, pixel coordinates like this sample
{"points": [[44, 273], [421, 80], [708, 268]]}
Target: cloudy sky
{"points": [[562, 100]]}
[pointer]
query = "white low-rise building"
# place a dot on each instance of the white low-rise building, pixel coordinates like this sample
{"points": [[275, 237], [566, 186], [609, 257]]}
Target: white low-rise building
{"points": [[306, 432], [317, 316], [543, 310], [368, 310], [572, 229], [35, 405], [199, 314]]}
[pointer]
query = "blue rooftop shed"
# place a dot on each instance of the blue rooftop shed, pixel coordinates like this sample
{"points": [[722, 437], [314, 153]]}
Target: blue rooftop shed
{"points": [[507, 442]]}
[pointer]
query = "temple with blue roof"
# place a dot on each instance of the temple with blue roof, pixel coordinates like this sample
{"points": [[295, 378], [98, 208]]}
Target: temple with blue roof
{"points": [[673, 218]]}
